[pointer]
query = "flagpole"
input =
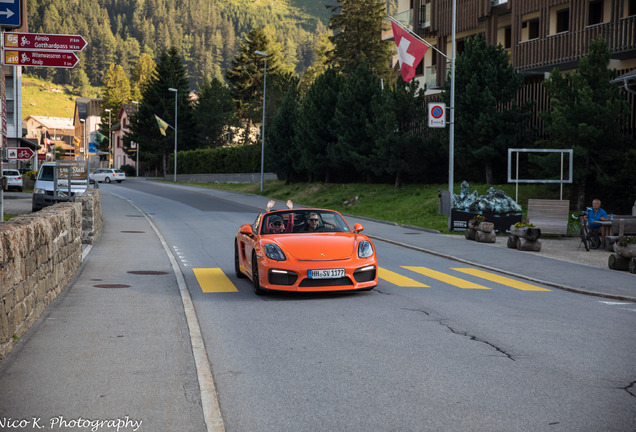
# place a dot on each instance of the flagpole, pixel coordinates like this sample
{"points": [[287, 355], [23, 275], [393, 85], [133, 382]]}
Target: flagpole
{"points": [[451, 128]]}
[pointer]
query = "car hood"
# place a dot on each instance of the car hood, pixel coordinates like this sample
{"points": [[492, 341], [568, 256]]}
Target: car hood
{"points": [[318, 247]]}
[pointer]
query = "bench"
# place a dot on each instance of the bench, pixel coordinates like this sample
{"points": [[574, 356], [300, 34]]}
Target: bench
{"points": [[551, 216], [624, 225]]}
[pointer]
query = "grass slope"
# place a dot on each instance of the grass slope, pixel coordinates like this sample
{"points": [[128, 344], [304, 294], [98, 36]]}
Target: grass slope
{"points": [[42, 98]]}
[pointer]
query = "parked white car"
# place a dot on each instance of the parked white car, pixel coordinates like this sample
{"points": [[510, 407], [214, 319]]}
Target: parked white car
{"points": [[14, 177], [108, 175]]}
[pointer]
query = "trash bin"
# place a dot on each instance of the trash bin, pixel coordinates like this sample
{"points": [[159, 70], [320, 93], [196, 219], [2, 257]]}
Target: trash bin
{"points": [[443, 205]]}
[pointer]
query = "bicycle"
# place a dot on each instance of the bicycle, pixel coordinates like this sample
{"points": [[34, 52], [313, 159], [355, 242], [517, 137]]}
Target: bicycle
{"points": [[589, 237]]}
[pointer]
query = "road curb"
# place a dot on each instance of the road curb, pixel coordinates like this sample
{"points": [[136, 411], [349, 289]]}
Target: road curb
{"points": [[508, 273]]}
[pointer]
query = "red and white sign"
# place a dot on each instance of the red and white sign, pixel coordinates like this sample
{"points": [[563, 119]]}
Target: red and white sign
{"points": [[410, 51], [44, 42], [436, 114], [19, 153], [59, 59]]}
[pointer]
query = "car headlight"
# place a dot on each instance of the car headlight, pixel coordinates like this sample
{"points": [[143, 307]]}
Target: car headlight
{"points": [[365, 250], [272, 251]]}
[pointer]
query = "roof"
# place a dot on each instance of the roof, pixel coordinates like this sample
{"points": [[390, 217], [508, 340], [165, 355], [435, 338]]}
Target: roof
{"points": [[53, 122], [626, 81]]}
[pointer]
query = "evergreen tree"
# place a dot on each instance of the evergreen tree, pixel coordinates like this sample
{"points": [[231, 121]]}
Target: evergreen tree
{"points": [[141, 75], [487, 118], [355, 151], [245, 77], [314, 136], [214, 114], [158, 100], [115, 89], [357, 27], [588, 115], [281, 153], [398, 116]]}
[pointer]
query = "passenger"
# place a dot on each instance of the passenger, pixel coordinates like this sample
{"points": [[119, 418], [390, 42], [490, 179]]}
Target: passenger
{"points": [[275, 224]]}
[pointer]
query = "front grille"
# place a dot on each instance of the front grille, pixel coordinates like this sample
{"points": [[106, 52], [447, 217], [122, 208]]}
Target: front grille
{"points": [[313, 283]]}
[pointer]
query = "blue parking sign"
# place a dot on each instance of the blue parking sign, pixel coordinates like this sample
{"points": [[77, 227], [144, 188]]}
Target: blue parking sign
{"points": [[10, 13]]}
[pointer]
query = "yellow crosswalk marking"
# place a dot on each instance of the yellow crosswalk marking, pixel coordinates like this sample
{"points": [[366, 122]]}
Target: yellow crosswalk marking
{"points": [[501, 279], [213, 280], [452, 280], [398, 279]]}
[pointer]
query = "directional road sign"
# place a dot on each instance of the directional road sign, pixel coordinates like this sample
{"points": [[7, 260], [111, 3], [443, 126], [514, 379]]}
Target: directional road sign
{"points": [[10, 16], [38, 41], [19, 153], [59, 59]]}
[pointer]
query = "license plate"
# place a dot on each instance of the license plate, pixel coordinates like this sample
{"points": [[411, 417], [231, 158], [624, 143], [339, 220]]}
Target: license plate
{"points": [[326, 273]]}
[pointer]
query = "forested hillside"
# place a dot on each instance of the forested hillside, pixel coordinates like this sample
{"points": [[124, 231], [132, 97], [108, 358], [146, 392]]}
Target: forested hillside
{"points": [[206, 32]]}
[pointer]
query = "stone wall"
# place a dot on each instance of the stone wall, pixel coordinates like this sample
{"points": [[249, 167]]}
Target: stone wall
{"points": [[39, 254]]}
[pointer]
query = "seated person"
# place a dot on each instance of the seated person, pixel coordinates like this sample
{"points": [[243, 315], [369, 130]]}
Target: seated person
{"points": [[595, 214], [313, 222]]}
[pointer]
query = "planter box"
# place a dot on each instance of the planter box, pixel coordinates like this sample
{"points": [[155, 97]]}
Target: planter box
{"points": [[501, 221]]}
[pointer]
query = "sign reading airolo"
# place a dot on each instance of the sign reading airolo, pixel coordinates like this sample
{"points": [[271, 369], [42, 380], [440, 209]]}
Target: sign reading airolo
{"points": [[41, 50]]}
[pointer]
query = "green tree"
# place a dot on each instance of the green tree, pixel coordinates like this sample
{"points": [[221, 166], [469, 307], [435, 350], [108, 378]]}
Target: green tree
{"points": [[115, 89], [589, 115], [245, 77], [355, 151], [281, 153], [487, 118], [357, 27], [315, 138], [214, 113], [157, 100], [398, 116], [141, 75]]}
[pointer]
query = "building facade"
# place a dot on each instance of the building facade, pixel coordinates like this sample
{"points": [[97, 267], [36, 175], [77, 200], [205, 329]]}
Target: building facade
{"points": [[539, 35], [119, 130]]}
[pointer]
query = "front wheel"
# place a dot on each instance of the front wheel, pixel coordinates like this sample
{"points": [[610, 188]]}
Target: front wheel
{"points": [[585, 238], [237, 265], [255, 278]]}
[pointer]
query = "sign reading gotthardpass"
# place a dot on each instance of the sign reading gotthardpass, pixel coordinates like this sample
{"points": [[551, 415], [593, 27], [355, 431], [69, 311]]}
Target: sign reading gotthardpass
{"points": [[39, 41]]}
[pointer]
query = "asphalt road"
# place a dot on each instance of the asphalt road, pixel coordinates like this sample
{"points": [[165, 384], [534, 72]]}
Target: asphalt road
{"points": [[488, 356], [439, 345]]}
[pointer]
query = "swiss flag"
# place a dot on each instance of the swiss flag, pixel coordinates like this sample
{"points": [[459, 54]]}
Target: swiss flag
{"points": [[410, 51]]}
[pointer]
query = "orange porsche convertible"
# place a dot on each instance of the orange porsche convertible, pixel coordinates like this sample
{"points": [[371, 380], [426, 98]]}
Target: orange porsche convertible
{"points": [[305, 250]]}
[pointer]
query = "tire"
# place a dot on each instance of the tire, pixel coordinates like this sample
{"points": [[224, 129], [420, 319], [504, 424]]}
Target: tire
{"points": [[585, 239], [257, 285], [595, 241], [107, 179], [237, 266]]}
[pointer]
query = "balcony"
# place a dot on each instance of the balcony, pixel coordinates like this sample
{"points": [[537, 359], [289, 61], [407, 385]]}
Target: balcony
{"points": [[405, 18]]}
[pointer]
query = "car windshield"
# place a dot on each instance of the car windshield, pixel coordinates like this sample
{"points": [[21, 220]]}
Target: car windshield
{"points": [[302, 221], [46, 173]]}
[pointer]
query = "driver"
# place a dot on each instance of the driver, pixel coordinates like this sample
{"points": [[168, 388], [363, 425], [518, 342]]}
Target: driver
{"points": [[313, 222]]}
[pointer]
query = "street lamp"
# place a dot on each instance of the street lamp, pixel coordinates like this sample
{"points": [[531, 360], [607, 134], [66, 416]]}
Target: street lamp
{"points": [[110, 142], [175, 131], [137, 144], [261, 53]]}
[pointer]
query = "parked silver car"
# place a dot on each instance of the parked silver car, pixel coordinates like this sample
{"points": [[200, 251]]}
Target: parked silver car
{"points": [[14, 177], [108, 175]]}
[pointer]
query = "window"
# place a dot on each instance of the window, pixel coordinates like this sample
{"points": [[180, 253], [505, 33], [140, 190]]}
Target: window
{"points": [[595, 11], [563, 20], [631, 7], [507, 37], [533, 29]]}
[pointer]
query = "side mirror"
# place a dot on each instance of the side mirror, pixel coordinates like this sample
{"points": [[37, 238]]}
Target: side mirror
{"points": [[246, 229], [357, 228]]}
